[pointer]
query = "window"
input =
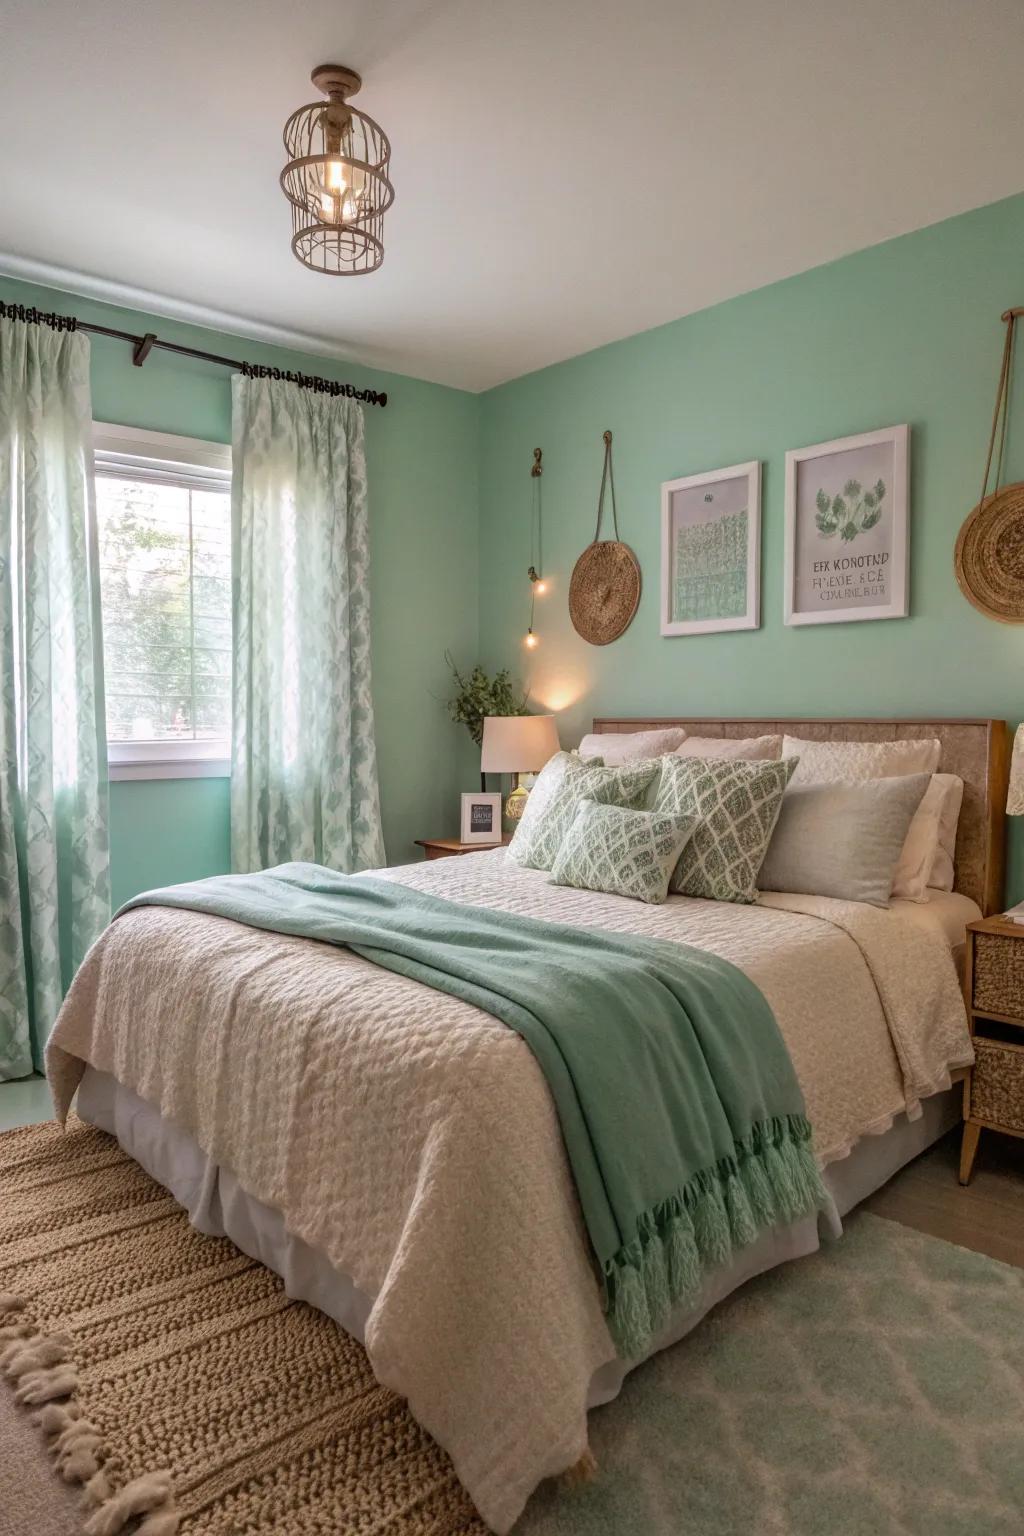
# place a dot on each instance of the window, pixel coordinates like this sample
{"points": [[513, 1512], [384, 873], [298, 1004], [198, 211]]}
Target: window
{"points": [[163, 509]]}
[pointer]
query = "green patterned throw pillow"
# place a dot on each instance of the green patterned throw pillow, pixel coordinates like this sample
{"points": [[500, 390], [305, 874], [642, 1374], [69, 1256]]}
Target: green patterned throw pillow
{"points": [[562, 783], [737, 805], [628, 853]]}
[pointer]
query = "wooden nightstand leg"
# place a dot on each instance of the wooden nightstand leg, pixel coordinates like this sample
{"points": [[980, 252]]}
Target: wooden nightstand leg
{"points": [[968, 1148]]}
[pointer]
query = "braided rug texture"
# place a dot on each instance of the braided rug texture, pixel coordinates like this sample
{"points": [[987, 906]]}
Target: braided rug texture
{"points": [[175, 1380]]}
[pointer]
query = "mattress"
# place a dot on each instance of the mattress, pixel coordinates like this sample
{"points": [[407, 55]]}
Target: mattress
{"points": [[409, 1141]]}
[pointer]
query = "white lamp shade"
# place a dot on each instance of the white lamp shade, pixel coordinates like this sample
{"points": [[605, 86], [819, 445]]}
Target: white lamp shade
{"points": [[517, 743]]}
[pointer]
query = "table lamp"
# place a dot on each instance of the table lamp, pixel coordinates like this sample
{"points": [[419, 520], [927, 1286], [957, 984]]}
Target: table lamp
{"points": [[517, 744]]}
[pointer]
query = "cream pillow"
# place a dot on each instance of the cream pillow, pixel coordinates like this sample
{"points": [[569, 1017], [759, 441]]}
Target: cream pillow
{"points": [[628, 746], [748, 749], [829, 762], [927, 858]]}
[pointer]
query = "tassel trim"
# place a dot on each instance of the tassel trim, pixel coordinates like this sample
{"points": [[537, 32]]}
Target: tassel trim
{"points": [[40, 1368], [771, 1178]]}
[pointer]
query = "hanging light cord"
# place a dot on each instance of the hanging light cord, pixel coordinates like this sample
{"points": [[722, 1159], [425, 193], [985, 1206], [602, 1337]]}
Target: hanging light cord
{"points": [[536, 533]]}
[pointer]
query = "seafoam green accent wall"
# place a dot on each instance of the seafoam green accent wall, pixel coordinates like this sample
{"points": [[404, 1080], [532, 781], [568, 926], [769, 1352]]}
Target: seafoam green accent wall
{"points": [[908, 331], [422, 463]]}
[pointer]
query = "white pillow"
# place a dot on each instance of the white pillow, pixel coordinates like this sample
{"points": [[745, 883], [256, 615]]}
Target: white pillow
{"points": [[926, 857], [627, 746], [829, 762], [750, 749]]}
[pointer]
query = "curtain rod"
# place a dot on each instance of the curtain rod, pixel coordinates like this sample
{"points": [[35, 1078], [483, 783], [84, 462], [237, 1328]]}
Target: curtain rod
{"points": [[143, 345]]}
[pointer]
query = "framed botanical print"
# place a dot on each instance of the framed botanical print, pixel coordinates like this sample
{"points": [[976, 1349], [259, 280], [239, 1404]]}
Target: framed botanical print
{"points": [[847, 529], [711, 551]]}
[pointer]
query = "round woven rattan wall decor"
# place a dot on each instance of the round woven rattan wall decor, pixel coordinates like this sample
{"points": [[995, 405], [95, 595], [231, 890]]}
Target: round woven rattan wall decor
{"points": [[604, 592], [989, 555]]}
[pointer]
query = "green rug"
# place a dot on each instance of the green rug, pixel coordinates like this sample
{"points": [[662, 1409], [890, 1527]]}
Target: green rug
{"points": [[874, 1389]]}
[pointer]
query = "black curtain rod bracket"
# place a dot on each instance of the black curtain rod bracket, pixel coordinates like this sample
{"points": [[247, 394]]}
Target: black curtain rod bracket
{"points": [[143, 345]]}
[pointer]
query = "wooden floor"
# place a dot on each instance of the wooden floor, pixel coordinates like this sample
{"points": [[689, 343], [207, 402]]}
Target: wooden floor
{"points": [[987, 1216]]}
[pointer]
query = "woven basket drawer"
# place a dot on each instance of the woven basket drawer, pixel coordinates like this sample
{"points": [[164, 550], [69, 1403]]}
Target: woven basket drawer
{"points": [[999, 974], [997, 1083]]}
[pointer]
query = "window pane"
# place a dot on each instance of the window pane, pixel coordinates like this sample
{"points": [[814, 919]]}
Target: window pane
{"points": [[165, 575]]}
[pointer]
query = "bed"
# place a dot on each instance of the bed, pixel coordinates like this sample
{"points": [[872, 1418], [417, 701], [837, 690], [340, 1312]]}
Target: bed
{"points": [[394, 1154]]}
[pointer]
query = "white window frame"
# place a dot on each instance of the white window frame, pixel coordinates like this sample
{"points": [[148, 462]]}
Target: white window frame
{"points": [[138, 454]]}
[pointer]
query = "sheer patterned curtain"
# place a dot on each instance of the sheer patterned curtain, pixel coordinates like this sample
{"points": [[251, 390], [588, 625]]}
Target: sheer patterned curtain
{"points": [[54, 854], [304, 767]]}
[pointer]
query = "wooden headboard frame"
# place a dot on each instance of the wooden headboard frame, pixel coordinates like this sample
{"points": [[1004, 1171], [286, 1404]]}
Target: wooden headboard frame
{"points": [[978, 751]]}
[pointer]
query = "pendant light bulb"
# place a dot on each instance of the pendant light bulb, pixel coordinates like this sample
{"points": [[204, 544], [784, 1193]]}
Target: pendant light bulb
{"points": [[531, 640]]}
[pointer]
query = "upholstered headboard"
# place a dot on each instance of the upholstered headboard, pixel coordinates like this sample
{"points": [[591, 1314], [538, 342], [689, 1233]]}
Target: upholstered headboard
{"points": [[976, 750]]}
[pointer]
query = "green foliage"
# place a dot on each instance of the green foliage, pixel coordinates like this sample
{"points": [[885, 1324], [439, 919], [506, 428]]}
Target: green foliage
{"points": [[478, 696], [854, 512], [167, 661]]}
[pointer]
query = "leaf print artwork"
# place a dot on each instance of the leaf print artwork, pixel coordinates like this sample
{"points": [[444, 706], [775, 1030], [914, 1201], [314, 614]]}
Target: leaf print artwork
{"points": [[849, 513]]}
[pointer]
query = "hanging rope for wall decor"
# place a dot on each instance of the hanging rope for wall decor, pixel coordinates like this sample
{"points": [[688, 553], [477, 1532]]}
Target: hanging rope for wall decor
{"points": [[604, 592], [989, 555], [538, 586]]}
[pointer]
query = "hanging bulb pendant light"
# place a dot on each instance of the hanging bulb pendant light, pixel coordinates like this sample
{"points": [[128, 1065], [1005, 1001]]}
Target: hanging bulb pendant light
{"points": [[336, 179], [538, 586]]}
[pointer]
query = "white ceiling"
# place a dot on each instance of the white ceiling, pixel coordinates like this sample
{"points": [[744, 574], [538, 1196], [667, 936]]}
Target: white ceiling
{"points": [[566, 173]]}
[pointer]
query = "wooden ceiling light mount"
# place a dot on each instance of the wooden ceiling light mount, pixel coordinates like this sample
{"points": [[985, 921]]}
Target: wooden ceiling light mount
{"points": [[989, 556], [337, 179]]}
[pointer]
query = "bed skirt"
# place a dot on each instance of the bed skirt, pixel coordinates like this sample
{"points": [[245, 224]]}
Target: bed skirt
{"points": [[218, 1206]]}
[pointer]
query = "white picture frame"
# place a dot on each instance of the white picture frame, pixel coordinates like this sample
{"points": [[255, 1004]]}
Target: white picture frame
{"points": [[481, 819], [831, 577], [735, 589]]}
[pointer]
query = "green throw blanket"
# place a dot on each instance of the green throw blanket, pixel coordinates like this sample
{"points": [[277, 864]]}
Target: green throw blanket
{"points": [[682, 1117]]}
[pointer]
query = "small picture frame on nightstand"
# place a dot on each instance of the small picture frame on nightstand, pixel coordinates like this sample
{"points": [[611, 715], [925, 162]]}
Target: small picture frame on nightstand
{"points": [[481, 819]]}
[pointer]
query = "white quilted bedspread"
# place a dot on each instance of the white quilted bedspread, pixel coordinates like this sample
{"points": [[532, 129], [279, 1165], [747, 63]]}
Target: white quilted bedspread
{"points": [[412, 1138]]}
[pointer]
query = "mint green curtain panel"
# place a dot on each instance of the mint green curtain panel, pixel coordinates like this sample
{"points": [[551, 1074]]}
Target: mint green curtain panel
{"points": [[54, 851], [304, 768]]}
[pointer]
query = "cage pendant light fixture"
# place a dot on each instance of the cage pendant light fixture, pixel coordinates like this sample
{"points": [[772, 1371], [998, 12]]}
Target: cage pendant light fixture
{"points": [[336, 179]]}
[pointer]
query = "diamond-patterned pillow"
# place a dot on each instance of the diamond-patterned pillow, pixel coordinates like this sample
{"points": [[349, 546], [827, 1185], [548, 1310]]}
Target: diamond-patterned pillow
{"points": [[629, 853], [737, 804], [562, 783]]}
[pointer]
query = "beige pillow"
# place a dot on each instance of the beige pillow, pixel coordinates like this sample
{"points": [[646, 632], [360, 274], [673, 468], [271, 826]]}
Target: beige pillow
{"points": [[926, 862], [750, 749], [629, 746], [830, 762]]}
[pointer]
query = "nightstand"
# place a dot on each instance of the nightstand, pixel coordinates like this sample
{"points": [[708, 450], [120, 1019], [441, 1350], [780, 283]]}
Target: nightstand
{"points": [[994, 993], [450, 847]]}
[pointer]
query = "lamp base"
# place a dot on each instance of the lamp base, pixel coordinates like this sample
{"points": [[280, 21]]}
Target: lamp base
{"points": [[515, 805]]}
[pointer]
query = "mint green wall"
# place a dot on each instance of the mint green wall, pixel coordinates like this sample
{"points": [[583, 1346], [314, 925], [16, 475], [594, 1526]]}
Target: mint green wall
{"points": [[422, 456], [906, 331]]}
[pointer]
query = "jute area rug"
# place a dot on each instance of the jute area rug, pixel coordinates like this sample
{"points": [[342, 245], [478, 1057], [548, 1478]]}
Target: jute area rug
{"points": [[875, 1389], [175, 1382]]}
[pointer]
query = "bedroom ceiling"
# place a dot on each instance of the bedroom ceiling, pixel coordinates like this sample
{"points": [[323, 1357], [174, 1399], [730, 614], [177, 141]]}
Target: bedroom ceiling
{"points": [[566, 173]]}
